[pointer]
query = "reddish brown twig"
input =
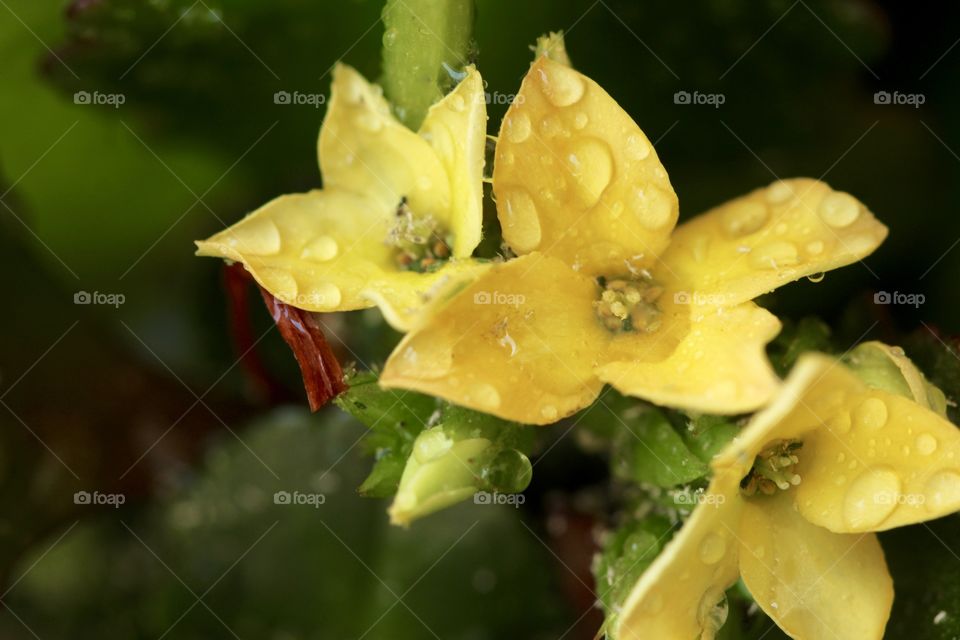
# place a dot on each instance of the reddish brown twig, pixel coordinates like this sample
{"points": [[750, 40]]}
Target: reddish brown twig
{"points": [[322, 375]]}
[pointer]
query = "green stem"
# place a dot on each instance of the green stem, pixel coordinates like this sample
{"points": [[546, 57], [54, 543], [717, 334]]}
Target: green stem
{"points": [[423, 41]]}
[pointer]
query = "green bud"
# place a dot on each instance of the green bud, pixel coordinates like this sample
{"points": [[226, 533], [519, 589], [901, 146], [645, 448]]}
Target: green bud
{"points": [[888, 368], [466, 453]]}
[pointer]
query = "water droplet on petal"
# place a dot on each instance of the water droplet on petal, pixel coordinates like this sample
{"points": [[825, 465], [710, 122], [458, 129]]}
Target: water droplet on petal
{"points": [[942, 492], [779, 192], [871, 414], [580, 120], [743, 218], [839, 209], [562, 85], [281, 284], [457, 103], [637, 147], [774, 255], [323, 249], [713, 548], [548, 412], [653, 207], [485, 395], [926, 444], [258, 237], [326, 295], [871, 498], [521, 220], [517, 127], [815, 248], [590, 163], [817, 277]]}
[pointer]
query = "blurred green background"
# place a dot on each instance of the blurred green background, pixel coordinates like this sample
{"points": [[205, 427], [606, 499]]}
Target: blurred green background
{"points": [[146, 398]]}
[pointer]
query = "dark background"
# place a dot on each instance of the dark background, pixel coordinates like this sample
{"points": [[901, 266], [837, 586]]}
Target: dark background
{"points": [[146, 399]]}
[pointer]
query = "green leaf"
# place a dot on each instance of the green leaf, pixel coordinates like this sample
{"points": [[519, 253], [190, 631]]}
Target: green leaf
{"points": [[626, 553], [395, 419], [648, 449], [939, 358], [796, 338], [707, 435], [425, 43], [465, 453]]}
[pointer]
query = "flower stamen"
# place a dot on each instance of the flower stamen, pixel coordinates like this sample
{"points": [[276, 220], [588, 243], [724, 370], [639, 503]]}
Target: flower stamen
{"points": [[773, 469], [629, 305], [420, 244]]}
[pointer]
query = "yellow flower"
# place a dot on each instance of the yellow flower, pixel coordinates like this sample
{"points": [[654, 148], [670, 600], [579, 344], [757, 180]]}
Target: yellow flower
{"points": [[399, 213], [830, 461], [603, 293]]}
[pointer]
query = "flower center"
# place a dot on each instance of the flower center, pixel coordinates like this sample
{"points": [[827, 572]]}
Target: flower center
{"points": [[629, 304], [773, 469], [420, 243]]}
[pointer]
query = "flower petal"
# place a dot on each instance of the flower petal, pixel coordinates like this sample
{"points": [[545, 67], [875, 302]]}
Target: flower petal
{"points": [[870, 460], [677, 596], [577, 179], [456, 128], [364, 149], [767, 238], [882, 462], [717, 364], [520, 343], [814, 583], [324, 251], [795, 411]]}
